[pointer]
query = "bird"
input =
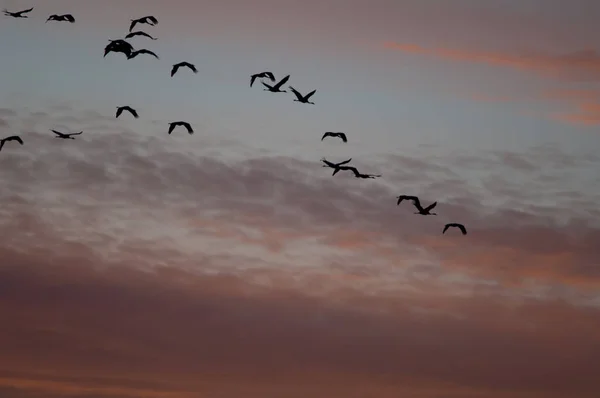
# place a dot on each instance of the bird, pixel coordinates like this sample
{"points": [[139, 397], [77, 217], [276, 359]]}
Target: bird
{"points": [[118, 46], [276, 88], [65, 136], [150, 20], [64, 17], [417, 203], [335, 166], [357, 174], [261, 75], [459, 226], [332, 134], [179, 65], [18, 14], [129, 109], [134, 54], [11, 138], [172, 126], [301, 98], [139, 33]]}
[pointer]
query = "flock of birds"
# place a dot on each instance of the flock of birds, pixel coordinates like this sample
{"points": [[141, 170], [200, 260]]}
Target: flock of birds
{"points": [[124, 47]]}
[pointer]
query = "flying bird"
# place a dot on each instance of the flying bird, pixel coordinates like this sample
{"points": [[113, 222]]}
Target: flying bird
{"points": [[64, 17], [172, 126], [139, 33], [150, 20], [134, 54], [261, 75], [11, 138], [301, 98], [65, 136], [276, 88], [417, 203], [335, 166], [456, 225], [129, 109], [118, 46], [179, 65], [332, 134], [357, 174], [18, 14]]}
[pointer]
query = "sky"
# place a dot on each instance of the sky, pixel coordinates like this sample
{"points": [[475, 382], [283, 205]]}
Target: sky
{"points": [[230, 263]]}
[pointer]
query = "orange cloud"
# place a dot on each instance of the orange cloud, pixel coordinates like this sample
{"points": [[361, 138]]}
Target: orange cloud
{"points": [[583, 64], [588, 113]]}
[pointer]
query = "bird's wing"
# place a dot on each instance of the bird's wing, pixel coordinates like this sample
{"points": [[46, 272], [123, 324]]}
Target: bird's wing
{"points": [[252, 79], [192, 67], [307, 96], [171, 127], [270, 76], [16, 138], [446, 228], [81, 132], [119, 111], [266, 85], [343, 137], [344, 162], [24, 11], [69, 18], [174, 70], [1, 144], [282, 82], [296, 93], [153, 19], [328, 134], [144, 51], [57, 133], [133, 112], [462, 228], [431, 206], [133, 23]]}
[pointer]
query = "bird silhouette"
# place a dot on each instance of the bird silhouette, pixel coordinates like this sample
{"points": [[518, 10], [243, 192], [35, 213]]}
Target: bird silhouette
{"points": [[134, 54], [10, 138], [139, 33], [277, 87], [118, 46], [64, 17], [129, 109], [261, 75], [150, 20], [64, 135], [18, 14], [456, 225], [301, 98], [332, 134], [172, 126], [179, 65], [335, 166], [417, 203], [357, 174]]}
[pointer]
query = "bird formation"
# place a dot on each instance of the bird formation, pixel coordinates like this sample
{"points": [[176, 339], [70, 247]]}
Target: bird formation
{"points": [[124, 47]]}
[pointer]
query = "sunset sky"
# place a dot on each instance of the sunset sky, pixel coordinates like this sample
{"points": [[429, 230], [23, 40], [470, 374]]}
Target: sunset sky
{"points": [[230, 263]]}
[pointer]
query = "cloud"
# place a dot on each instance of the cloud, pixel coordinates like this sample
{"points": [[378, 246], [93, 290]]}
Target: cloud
{"points": [[577, 65]]}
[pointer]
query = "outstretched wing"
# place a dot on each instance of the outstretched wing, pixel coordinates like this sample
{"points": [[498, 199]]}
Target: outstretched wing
{"points": [[81, 132], [57, 133], [26, 11], [133, 112], [267, 86], [152, 19], [133, 23], [69, 17], [327, 134], [462, 228], [174, 69], [172, 127], [430, 207], [15, 138], [296, 93], [344, 162], [270, 76], [189, 128], [192, 67], [414, 199], [282, 82], [307, 96], [252, 79], [446, 228], [144, 51]]}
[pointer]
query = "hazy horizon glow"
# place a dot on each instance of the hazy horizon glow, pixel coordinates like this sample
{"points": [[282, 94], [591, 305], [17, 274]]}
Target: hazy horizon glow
{"points": [[230, 263]]}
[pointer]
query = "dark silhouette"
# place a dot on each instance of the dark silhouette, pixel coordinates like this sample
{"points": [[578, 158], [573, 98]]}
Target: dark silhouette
{"points": [[335, 166], [150, 20], [18, 14], [139, 33], [172, 126], [11, 138], [118, 46], [65, 136], [64, 17], [301, 98], [262, 75], [129, 109], [357, 174], [179, 65], [134, 54], [332, 134], [276, 88], [456, 225], [417, 203]]}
